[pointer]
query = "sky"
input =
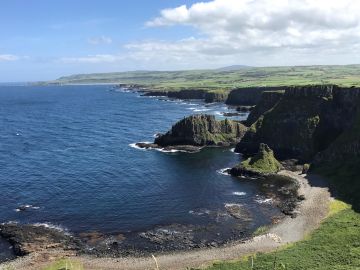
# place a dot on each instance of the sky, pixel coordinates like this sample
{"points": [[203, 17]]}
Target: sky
{"points": [[47, 39]]}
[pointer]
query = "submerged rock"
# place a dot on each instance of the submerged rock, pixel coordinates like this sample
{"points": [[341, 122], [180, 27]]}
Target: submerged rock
{"points": [[263, 163], [202, 130]]}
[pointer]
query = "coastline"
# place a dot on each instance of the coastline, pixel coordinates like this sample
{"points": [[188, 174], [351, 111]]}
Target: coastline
{"points": [[311, 212]]}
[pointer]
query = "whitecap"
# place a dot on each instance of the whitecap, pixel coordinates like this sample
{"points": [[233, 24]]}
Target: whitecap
{"points": [[202, 110], [224, 171], [239, 193], [263, 200], [51, 226], [26, 207], [168, 151], [232, 204], [133, 145]]}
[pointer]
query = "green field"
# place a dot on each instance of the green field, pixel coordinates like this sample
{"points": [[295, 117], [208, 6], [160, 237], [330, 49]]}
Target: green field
{"points": [[217, 79], [335, 245]]}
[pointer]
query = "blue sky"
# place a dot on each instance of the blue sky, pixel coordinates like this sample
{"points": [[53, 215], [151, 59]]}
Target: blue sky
{"points": [[46, 39]]}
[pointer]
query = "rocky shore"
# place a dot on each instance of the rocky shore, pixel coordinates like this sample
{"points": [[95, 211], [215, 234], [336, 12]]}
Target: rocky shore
{"points": [[315, 124]]}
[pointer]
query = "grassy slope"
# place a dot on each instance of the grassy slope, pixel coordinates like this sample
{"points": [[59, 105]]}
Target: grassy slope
{"points": [[335, 245], [225, 80], [262, 162]]}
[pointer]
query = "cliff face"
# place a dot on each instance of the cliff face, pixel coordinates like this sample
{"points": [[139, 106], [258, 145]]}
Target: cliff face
{"points": [[202, 130], [268, 100], [248, 96], [187, 94], [305, 121], [346, 117], [215, 96]]}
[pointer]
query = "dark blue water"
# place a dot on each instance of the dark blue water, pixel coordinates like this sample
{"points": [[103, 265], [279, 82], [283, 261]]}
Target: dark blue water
{"points": [[65, 151]]}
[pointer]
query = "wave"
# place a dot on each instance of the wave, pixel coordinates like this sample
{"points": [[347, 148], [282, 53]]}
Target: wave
{"points": [[202, 110], [51, 226], [233, 150], [200, 212], [133, 145], [223, 171], [26, 207], [262, 200], [239, 193]]}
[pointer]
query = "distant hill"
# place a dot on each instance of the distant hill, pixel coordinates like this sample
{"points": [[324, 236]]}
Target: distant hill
{"points": [[225, 78], [233, 68]]}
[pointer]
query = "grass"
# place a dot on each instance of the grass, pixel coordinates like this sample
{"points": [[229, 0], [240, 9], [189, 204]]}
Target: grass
{"points": [[263, 162], [226, 80], [65, 264], [335, 245]]}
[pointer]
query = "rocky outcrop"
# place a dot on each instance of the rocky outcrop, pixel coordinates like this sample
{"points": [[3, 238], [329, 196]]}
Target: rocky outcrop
{"points": [[187, 94], [263, 163], [26, 239], [155, 94], [298, 126], [303, 122], [248, 96], [268, 100], [202, 130], [215, 96]]}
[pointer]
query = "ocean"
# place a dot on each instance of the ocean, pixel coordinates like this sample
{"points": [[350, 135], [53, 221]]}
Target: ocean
{"points": [[67, 159]]}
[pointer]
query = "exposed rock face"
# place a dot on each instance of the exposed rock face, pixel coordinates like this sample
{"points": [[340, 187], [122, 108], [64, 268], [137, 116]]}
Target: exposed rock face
{"points": [[299, 125], [304, 121], [268, 100], [215, 96], [26, 239], [248, 96], [202, 130], [263, 163], [187, 94], [156, 94]]}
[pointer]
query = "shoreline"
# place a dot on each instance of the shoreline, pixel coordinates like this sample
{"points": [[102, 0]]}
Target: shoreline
{"points": [[311, 212]]}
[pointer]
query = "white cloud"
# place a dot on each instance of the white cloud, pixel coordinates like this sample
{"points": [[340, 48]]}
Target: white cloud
{"points": [[100, 40], [93, 59], [244, 28], [252, 32], [8, 57]]}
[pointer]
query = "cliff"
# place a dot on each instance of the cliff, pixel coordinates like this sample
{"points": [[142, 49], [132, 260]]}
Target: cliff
{"points": [[262, 163], [248, 96], [268, 100], [302, 123], [216, 96], [202, 130]]}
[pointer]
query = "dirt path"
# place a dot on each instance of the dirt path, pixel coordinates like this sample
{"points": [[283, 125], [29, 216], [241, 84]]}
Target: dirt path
{"points": [[311, 212]]}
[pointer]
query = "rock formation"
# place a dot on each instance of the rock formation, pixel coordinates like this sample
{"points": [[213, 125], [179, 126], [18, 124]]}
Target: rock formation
{"points": [[263, 163], [268, 100], [248, 96], [297, 125], [202, 130], [215, 96]]}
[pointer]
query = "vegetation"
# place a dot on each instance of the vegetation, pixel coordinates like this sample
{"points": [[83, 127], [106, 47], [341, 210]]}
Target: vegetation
{"points": [[335, 245], [226, 79], [65, 264], [344, 176], [263, 162]]}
